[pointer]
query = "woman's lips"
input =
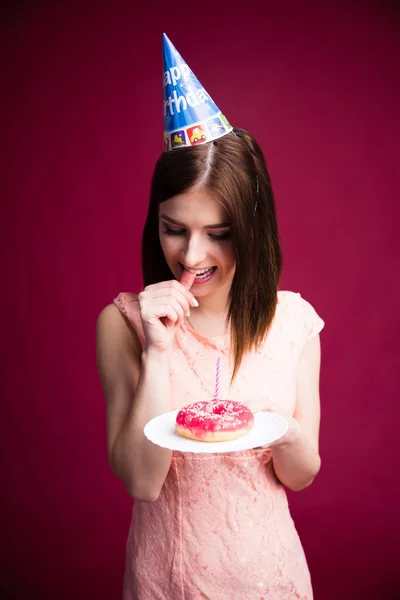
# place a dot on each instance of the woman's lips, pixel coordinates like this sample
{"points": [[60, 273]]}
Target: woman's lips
{"points": [[205, 276]]}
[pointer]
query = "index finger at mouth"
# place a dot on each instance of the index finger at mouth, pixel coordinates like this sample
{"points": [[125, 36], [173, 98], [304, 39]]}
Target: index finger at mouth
{"points": [[186, 281]]}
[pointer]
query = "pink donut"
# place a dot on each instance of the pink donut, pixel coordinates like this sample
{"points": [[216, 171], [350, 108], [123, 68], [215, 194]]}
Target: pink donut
{"points": [[214, 420]]}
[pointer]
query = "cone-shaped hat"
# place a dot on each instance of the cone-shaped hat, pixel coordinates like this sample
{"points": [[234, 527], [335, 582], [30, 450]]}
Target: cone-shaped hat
{"points": [[190, 115]]}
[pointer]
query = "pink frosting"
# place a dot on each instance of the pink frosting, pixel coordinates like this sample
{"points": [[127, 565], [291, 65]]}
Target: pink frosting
{"points": [[215, 415]]}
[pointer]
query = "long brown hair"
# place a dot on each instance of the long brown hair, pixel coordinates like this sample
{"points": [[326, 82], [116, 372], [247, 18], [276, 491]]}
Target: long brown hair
{"points": [[233, 168]]}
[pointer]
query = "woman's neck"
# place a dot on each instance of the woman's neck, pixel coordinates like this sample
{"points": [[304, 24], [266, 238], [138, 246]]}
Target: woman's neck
{"points": [[209, 318]]}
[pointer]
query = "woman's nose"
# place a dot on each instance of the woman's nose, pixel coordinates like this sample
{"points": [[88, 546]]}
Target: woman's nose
{"points": [[194, 252]]}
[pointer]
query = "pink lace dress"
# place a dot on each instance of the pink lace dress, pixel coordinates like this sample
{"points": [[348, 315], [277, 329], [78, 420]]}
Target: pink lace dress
{"points": [[221, 528]]}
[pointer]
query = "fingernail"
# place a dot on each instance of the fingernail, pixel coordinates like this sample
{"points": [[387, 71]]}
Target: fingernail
{"points": [[195, 302]]}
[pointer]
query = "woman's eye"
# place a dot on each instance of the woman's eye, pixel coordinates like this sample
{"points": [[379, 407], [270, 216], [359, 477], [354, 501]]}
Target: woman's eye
{"points": [[222, 237], [169, 231]]}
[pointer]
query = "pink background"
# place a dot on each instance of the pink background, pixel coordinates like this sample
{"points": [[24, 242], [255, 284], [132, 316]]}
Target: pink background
{"points": [[82, 127]]}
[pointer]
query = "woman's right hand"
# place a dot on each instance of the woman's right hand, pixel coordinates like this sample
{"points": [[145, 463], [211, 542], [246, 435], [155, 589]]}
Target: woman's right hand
{"points": [[163, 308]]}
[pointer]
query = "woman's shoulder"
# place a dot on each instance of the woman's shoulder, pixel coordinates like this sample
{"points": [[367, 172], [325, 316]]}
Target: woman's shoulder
{"points": [[300, 313], [293, 301], [127, 303], [124, 309]]}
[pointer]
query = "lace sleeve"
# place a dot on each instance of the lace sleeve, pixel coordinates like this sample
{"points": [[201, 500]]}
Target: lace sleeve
{"points": [[129, 306], [311, 321], [303, 321]]}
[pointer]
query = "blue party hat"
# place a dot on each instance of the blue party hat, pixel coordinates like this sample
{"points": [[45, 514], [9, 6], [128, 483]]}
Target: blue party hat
{"points": [[190, 115]]}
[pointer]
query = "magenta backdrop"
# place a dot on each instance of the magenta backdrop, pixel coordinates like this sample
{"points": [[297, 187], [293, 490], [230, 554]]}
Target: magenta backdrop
{"points": [[82, 126]]}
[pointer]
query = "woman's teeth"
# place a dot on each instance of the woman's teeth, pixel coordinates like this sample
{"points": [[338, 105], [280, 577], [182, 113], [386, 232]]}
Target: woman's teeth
{"points": [[205, 274], [201, 274]]}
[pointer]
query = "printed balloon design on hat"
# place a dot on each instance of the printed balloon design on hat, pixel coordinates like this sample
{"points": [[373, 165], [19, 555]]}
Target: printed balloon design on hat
{"points": [[190, 115]]}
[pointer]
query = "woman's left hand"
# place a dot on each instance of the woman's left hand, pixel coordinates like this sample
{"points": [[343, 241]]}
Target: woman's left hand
{"points": [[293, 428]]}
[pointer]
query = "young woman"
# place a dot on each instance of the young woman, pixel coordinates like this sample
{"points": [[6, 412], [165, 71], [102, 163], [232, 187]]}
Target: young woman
{"points": [[212, 526]]}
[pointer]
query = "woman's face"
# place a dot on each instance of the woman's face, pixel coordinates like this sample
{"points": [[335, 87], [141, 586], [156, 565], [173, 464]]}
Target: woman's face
{"points": [[194, 231]]}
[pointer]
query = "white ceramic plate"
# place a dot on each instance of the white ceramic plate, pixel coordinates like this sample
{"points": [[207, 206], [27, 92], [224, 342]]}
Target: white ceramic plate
{"points": [[268, 427]]}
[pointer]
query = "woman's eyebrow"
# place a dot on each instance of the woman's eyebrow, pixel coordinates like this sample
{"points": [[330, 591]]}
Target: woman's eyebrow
{"points": [[215, 226]]}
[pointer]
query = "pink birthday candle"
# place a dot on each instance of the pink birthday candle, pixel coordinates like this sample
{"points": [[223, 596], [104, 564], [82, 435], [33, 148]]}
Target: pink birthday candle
{"points": [[217, 378]]}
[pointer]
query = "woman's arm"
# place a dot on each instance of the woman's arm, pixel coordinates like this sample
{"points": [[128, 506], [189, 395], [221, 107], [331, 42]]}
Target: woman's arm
{"points": [[295, 456], [136, 389]]}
